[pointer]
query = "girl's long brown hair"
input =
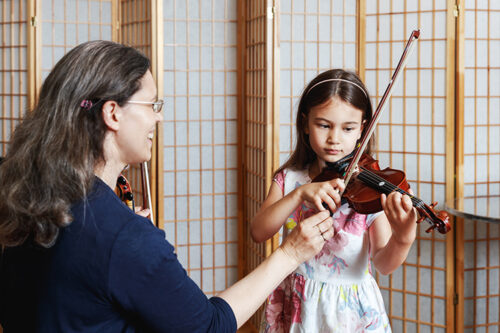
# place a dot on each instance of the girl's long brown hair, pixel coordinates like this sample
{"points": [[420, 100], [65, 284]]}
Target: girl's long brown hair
{"points": [[303, 155], [51, 158]]}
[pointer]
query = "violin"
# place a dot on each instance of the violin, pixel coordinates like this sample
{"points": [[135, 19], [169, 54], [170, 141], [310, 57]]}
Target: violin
{"points": [[362, 175], [362, 193], [124, 191]]}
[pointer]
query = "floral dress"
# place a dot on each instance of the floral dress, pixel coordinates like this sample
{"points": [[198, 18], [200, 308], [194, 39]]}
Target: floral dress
{"points": [[334, 291]]}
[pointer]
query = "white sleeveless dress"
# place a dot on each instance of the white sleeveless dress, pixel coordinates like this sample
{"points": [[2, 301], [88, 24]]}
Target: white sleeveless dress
{"points": [[334, 291]]}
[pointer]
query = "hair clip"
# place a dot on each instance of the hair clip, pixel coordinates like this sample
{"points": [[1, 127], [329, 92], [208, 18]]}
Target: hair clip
{"points": [[86, 104]]}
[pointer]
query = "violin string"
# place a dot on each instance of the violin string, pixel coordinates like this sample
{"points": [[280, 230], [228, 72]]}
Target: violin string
{"points": [[376, 181], [388, 187]]}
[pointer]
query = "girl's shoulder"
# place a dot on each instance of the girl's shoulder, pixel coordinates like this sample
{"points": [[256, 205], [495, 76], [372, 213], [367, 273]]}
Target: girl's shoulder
{"points": [[288, 179], [289, 173]]}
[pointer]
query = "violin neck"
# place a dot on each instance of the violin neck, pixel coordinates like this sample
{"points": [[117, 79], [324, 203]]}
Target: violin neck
{"points": [[383, 186], [439, 221]]}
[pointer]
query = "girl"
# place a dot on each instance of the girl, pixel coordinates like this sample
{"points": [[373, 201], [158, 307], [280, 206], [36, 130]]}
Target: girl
{"points": [[74, 257], [334, 291]]}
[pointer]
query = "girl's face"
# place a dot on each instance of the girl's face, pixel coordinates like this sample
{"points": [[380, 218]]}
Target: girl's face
{"points": [[135, 137], [334, 128]]}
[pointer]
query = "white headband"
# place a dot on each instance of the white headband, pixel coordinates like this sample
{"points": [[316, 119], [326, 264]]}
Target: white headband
{"points": [[343, 80]]}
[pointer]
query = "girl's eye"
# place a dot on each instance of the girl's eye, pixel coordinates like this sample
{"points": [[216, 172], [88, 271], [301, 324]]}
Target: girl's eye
{"points": [[348, 129], [323, 126]]}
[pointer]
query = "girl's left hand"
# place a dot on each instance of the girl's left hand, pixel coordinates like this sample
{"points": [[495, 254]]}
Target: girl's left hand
{"points": [[401, 215]]}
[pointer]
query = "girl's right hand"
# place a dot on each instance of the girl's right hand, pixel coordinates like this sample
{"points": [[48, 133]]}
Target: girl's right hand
{"points": [[308, 237], [315, 194]]}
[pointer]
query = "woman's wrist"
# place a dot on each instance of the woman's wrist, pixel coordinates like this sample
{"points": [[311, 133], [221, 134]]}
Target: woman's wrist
{"points": [[286, 258]]}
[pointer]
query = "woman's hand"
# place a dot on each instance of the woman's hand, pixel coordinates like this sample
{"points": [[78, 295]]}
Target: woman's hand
{"points": [[308, 237], [315, 194], [143, 212], [305, 241], [401, 215]]}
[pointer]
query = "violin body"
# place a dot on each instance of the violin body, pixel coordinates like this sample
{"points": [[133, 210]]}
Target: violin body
{"points": [[366, 199], [360, 195]]}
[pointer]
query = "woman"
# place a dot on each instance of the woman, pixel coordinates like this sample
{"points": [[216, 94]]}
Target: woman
{"points": [[75, 257]]}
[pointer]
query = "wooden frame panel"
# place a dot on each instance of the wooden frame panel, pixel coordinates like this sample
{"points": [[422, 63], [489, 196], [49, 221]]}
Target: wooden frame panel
{"points": [[136, 29], [413, 136], [478, 160], [257, 125]]}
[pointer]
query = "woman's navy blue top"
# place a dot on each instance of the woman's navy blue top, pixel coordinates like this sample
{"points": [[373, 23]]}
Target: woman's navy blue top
{"points": [[110, 270]]}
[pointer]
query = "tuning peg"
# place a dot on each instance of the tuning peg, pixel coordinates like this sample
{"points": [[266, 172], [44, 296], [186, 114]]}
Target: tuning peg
{"points": [[432, 205], [420, 219]]}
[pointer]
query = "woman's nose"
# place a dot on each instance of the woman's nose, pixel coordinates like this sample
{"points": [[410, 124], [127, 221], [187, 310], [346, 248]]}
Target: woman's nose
{"points": [[159, 116]]}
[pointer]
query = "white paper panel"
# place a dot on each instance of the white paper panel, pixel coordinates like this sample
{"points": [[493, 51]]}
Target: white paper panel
{"points": [[200, 138], [13, 68], [312, 39], [67, 23]]}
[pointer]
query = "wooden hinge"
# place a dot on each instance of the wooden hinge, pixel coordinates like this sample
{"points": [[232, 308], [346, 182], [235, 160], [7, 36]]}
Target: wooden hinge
{"points": [[455, 299], [456, 10], [270, 12], [33, 21]]}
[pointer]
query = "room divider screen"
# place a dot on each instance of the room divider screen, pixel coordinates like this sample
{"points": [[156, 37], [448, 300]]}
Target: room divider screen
{"points": [[231, 73]]}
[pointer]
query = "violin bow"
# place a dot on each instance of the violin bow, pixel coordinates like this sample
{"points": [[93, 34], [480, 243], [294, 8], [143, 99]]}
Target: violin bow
{"points": [[146, 190], [381, 106]]}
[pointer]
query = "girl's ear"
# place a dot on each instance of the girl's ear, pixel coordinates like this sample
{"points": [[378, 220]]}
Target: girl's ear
{"points": [[363, 123], [111, 114]]}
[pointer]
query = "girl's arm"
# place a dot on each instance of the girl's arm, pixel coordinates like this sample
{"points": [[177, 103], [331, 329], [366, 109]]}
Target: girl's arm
{"points": [[277, 208], [303, 243], [273, 213], [393, 233]]}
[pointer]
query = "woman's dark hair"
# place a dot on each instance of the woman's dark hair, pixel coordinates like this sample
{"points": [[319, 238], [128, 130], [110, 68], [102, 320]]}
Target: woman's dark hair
{"points": [[51, 158], [333, 83]]}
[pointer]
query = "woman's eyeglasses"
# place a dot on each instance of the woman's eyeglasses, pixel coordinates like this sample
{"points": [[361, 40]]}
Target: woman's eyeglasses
{"points": [[157, 106]]}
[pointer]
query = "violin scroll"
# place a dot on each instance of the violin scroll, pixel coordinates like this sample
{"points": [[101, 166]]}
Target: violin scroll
{"points": [[438, 219], [124, 191]]}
